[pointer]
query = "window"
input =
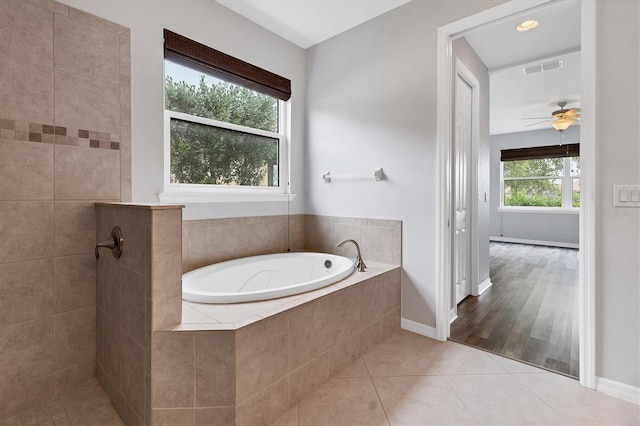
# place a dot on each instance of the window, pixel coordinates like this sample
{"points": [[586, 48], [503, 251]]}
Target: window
{"points": [[224, 122], [541, 177]]}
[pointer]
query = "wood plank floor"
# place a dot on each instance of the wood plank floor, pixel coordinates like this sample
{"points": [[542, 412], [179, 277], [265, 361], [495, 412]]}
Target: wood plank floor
{"points": [[531, 311]]}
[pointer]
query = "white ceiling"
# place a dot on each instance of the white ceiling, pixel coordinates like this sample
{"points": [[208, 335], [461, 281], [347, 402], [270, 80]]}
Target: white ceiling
{"points": [[309, 22], [504, 50]]}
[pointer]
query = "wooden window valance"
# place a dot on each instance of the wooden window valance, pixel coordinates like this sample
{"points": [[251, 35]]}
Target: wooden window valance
{"points": [[195, 55], [539, 152]]}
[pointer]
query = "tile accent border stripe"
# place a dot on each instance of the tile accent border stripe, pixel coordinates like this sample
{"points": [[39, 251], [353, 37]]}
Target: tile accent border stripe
{"points": [[46, 133]]}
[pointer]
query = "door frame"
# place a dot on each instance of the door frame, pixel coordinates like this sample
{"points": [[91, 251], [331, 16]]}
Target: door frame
{"points": [[586, 268], [474, 273]]}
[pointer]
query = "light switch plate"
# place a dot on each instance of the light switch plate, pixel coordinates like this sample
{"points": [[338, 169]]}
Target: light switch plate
{"points": [[626, 195]]}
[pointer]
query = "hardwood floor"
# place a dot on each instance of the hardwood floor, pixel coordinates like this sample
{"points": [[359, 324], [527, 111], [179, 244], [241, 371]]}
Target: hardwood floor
{"points": [[531, 311]]}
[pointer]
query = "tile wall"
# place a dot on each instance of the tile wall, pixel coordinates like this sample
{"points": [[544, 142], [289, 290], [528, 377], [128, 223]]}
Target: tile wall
{"points": [[64, 143], [215, 240], [136, 294], [379, 240]]}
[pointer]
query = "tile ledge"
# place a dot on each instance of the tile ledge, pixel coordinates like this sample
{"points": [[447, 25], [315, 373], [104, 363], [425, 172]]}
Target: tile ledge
{"points": [[146, 206], [375, 269]]}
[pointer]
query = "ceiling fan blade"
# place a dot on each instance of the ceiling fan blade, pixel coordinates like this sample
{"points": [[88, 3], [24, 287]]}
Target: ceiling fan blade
{"points": [[573, 112], [534, 124], [534, 118]]}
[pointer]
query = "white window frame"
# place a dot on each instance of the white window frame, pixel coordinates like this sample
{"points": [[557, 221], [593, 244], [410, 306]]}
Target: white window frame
{"points": [[567, 192], [186, 193]]}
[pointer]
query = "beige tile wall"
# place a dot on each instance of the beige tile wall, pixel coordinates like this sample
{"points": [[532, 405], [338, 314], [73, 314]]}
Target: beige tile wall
{"points": [[379, 240], [64, 143], [215, 240], [138, 293]]}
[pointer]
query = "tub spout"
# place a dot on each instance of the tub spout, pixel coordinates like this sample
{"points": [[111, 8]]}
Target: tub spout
{"points": [[358, 262]]}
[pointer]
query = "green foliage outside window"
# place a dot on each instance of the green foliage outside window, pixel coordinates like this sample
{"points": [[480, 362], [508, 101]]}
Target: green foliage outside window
{"points": [[547, 167], [575, 195], [203, 154], [538, 183], [533, 193]]}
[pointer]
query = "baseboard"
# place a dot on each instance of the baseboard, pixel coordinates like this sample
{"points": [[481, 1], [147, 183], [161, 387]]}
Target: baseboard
{"points": [[484, 286], [453, 315], [534, 242], [619, 390], [416, 327]]}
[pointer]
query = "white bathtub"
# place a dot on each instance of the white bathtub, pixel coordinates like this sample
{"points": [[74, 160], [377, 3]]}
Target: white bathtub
{"points": [[264, 277]]}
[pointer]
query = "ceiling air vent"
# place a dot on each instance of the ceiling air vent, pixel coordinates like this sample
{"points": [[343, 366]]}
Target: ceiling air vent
{"points": [[543, 67]]}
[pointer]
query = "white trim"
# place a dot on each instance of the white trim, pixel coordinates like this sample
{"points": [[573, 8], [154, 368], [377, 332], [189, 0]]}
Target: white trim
{"points": [[443, 136], [416, 327], [587, 237], [618, 390], [465, 74], [538, 210], [586, 284], [453, 314], [484, 286], [534, 242], [220, 197]]}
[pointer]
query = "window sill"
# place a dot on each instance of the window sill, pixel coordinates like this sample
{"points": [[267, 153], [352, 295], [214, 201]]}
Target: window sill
{"points": [[221, 197], [544, 210]]}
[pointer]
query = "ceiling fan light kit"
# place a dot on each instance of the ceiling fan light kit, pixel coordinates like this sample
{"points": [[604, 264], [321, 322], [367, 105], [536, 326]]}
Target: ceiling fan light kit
{"points": [[562, 124], [561, 119]]}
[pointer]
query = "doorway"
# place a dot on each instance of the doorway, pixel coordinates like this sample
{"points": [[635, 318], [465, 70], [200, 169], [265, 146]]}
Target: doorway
{"points": [[446, 214]]}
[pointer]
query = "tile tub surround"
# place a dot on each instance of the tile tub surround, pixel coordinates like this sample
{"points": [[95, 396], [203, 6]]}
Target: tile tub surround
{"points": [[216, 240], [136, 294], [60, 67], [249, 363], [379, 240]]}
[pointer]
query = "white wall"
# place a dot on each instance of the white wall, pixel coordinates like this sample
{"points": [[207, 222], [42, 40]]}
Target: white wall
{"points": [[218, 27], [371, 102], [548, 227], [462, 50], [617, 162]]}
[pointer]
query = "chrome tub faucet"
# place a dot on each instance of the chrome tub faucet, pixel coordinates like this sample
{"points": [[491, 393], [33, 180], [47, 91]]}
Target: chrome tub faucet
{"points": [[358, 262]]}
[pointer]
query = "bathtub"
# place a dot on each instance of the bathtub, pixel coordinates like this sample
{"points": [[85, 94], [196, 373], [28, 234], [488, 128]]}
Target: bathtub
{"points": [[264, 277]]}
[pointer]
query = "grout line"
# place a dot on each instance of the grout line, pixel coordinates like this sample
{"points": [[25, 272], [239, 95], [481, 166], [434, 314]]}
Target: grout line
{"points": [[539, 397], [461, 400]]}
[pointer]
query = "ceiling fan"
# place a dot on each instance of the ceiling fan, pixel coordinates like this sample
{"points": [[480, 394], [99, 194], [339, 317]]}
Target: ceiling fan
{"points": [[560, 119]]}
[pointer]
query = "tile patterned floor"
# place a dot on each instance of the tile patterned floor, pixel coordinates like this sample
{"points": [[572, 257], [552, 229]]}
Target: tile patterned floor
{"points": [[413, 380], [87, 406], [406, 380]]}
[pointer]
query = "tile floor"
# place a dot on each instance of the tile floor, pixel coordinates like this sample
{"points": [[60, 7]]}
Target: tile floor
{"points": [[86, 406], [413, 380], [406, 380]]}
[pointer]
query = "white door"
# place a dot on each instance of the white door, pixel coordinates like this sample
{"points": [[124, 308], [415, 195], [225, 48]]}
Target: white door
{"points": [[461, 185]]}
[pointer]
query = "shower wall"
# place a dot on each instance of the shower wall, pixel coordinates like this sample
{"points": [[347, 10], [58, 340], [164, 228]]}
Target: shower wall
{"points": [[137, 294], [64, 144]]}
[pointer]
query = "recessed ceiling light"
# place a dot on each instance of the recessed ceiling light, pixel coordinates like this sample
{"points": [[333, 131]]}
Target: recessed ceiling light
{"points": [[527, 25]]}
